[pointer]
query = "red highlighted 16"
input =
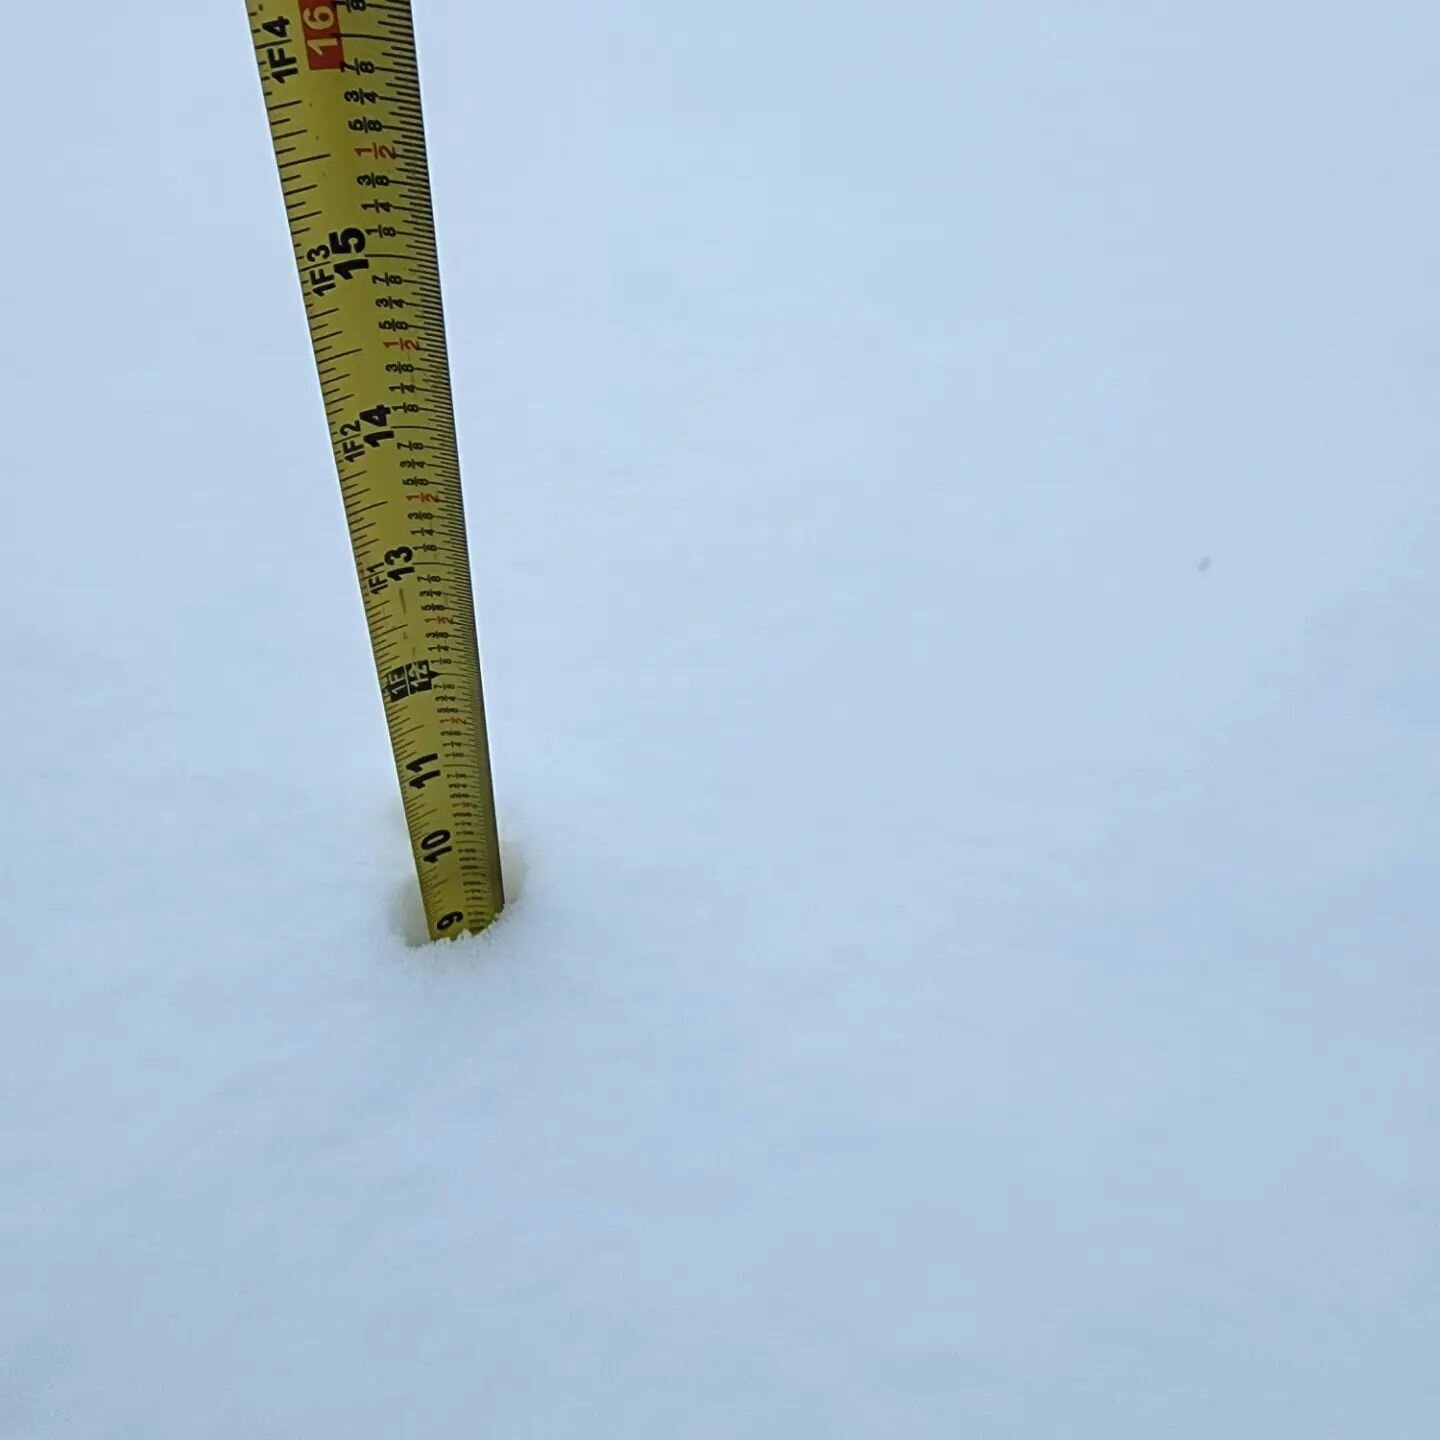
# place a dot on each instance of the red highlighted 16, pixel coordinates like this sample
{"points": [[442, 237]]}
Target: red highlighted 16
{"points": [[322, 37]]}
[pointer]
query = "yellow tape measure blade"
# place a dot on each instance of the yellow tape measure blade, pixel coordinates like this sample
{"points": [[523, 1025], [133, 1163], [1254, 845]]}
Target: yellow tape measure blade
{"points": [[342, 94]]}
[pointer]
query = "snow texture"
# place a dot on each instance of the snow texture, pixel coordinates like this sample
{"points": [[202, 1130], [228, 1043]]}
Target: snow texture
{"points": [[954, 510]]}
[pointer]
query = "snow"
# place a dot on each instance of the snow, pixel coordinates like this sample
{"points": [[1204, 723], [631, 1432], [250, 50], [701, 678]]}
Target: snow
{"points": [[952, 492]]}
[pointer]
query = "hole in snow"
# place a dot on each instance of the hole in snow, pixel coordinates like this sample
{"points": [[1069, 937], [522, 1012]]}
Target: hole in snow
{"points": [[407, 914]]}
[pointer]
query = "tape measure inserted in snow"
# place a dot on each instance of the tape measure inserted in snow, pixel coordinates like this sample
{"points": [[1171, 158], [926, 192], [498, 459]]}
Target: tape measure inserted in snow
{"points": [[342, 93]]}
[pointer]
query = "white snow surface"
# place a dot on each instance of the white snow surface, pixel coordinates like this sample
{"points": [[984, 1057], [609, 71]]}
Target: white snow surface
{"points": [[953, 498]]}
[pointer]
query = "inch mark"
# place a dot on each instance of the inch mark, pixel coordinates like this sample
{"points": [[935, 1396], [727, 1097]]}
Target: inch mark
{"points": [[324, 49]]}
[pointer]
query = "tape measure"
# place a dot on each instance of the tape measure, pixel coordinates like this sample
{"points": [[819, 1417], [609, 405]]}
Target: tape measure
{"points": [[342, 92]]}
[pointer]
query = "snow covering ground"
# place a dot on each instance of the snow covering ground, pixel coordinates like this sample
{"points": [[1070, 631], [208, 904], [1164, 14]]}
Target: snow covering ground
{"points": [[954, 502]]}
